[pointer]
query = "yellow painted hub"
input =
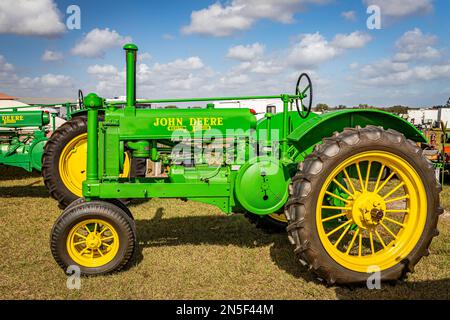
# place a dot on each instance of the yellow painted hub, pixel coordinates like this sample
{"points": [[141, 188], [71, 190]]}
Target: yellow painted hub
{"points": [[371, 211], [73, 161], [92, 243]]}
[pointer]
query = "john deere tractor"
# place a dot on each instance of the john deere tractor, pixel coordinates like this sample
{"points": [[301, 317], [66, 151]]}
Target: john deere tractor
{"points": [[24, 143], [353, 186]]}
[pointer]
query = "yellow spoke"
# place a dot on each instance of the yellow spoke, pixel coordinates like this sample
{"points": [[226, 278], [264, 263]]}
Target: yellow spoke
{"points": [[108, 238], [385, 182], [80, 242], [337, 197], [101, 232], [342, 187], [95, 228], [80, 235], [99, 251], [388, 230], [82, 251], [108, 245], [87, 229], [368, 175], [352, 242], [381, 239], [397, 199], [372, 246], [342, 236], [394, 190], [395, 221], [349, 180], [334, 217], [360, 176], [336, 208], [339, 228], [380, 175], [360, 244], [397, 211]]}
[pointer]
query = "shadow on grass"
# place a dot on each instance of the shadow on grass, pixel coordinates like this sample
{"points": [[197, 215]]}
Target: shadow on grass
{"points": [[237, 231], [216, 230], [14, 173], [28, 191]]}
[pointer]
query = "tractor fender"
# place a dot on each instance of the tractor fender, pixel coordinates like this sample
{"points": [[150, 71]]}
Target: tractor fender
{"points": [[311, 132]]}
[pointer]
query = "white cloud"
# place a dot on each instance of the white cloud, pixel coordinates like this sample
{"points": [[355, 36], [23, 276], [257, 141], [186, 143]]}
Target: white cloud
{"points": [[416, 45], [192, 63], [246, 53], [46, 81], [168, 36], [144, 56], [349, 15], [30, 18], [313, 49], [5, 66], [222, 20], [102, 70], [413, 61], [50, 56], [353, 40], [401, 8], [98, 41]]}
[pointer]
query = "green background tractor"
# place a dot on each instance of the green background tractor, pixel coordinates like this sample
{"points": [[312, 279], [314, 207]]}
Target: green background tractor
{"points": [[354, 187], [24, 144]]}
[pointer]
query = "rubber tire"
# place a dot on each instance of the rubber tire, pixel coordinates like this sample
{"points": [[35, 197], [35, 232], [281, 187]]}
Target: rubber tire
{"points": [[50, 160], [117, 202], [308, 182], [266, 223], [112, 214]]}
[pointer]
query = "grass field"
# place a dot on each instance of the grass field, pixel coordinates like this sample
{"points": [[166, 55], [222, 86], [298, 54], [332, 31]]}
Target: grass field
{"points": [[187, 251]]}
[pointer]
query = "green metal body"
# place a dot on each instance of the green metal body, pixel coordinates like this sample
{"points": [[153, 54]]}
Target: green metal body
{"points": [[269, 150], [22, 138]]}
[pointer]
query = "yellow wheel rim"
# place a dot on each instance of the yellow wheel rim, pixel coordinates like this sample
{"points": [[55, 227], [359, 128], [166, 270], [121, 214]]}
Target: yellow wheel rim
{"points": [[280, 217], [73, 161], [92, 243], [377, 215]]}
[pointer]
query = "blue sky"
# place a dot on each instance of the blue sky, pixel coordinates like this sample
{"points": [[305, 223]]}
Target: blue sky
{"points": [[234, 47]]}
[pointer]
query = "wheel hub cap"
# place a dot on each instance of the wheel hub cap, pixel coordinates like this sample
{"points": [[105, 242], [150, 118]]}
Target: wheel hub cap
{"points": [[368, 210]]}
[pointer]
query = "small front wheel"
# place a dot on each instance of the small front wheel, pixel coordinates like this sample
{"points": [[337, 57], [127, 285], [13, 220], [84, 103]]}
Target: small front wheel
{"points": [[98, 237]]}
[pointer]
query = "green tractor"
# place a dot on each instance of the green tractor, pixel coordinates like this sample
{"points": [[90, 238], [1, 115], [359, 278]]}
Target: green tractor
{"points": [[352, 187], [24, 143]]}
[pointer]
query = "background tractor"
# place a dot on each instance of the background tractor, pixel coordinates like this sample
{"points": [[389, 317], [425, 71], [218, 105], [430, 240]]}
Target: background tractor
{"points": [[355, 189], [24, 143]]}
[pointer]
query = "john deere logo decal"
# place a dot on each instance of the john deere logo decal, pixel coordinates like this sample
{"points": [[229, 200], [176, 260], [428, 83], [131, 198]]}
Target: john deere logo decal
{"points": [[11, 119]]}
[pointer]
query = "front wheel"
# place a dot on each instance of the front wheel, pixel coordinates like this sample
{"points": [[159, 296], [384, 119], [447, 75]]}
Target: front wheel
{"points": [[98, 237], [349, 219]]}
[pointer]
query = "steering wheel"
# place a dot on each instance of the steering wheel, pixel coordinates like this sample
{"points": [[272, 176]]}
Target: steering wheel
{"points": [[306, 93], [80, 99]]}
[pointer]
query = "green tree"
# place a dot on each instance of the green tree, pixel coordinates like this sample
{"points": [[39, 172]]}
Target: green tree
{"points": [[321, 107]]}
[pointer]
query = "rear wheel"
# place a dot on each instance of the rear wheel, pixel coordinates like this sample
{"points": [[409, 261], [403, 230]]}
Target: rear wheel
{"points": [[98, 237], [349, 219]]}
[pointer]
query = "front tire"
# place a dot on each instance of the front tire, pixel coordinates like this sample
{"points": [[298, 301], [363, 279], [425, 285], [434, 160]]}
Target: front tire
{"points": [[97, 236], [348, 220]]}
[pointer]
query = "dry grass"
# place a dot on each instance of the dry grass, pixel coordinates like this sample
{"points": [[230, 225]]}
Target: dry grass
{"points": [[187, 251]]}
